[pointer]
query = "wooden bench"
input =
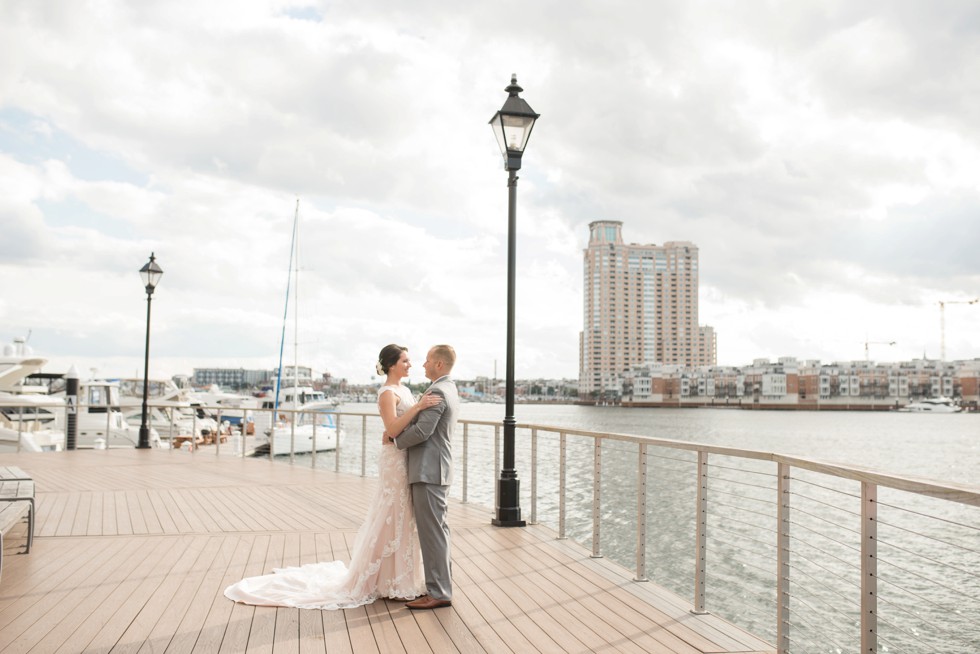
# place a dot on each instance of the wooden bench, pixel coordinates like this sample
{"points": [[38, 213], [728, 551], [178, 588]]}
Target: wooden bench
{"points": [[16, 501]]}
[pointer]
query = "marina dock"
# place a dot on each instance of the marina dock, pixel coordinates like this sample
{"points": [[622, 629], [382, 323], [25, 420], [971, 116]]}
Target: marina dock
{"points": [[133, 549]]}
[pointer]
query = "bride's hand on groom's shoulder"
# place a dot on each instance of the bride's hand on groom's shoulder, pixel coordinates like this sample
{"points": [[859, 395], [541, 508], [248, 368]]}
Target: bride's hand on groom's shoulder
{"points": [[428, 400]]}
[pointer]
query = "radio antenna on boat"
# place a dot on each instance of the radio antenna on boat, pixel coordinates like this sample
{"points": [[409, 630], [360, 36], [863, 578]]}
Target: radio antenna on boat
{"points": [[285, 314]]}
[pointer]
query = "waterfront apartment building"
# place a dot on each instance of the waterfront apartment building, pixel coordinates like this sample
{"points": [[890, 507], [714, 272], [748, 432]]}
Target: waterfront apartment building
{"points": [[230, 377], [792, 384], [640, 309], [243, 378]]}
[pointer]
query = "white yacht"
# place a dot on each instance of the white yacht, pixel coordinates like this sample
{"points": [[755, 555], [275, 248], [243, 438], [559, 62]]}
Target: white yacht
{"points": [[932, 405], [234, 408], [173, 411], [35, 399], [306, 406], [313, 430]]}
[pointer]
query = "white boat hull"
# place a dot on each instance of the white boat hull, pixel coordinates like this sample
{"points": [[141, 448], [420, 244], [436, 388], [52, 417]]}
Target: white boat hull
{"points": [[302, 440], [932, 405]]}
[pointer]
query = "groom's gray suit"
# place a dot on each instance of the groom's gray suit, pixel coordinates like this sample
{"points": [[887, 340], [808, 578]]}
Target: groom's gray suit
{"points": [[430, 472]]}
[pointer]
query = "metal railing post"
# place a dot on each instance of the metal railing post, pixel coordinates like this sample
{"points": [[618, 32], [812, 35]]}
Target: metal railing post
{"points": [[701, 537], [562, 446], [783, 618], [217, 436], [534, 477], [641, 514], [869, 568], [596, 497], [337, 446], [292, 436], [313, 446], [496, 465], [272, 435], [170, 429], [466, 458], [363, 445]]}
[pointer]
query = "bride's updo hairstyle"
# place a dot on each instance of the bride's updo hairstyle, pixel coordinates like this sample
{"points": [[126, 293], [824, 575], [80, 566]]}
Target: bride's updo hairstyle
{"points": [[389, 356]]}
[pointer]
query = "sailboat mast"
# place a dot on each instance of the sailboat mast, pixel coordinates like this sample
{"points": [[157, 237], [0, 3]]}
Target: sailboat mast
{"points": [[296, 308], [285, 312]]}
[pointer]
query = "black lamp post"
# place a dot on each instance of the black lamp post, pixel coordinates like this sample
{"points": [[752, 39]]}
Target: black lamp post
{"points": [[150, 273], [512, 126]]}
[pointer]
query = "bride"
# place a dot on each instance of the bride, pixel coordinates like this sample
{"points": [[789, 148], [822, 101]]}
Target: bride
{"points": [[386, 561]]}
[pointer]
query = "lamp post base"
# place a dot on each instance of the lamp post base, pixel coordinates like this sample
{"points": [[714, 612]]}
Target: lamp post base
{"points": [[509, 508], [144, 441]]}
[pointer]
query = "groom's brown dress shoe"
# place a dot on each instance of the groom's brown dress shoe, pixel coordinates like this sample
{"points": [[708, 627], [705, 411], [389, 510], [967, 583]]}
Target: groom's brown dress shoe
{"points": [[427, 602]]}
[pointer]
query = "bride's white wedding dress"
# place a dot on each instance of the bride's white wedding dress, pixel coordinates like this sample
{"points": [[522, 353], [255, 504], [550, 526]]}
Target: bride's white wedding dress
{"points": [[386, 560]]}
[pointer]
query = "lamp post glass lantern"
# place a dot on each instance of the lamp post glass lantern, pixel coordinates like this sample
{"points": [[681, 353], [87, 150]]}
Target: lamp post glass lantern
{"points": [[150, 273], [512, 126]]}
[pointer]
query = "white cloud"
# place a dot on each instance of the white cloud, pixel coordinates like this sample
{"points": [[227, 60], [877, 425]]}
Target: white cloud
{"points": [[822, 156]]}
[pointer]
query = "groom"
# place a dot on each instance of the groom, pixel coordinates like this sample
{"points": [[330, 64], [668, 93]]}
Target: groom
{"points": [[430, 472]]}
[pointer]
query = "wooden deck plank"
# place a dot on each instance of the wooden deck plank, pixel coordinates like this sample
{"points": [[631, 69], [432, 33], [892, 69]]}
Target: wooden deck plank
{"points": [[239, 625], [550, 572], [56, 594], [591, 632], [263, 627], [124, 522], [220, 550], [127, 625], [27, 581], [287, 620], [83, 613], [80, 520], [94, 525], [163, 512], [133, 551]]}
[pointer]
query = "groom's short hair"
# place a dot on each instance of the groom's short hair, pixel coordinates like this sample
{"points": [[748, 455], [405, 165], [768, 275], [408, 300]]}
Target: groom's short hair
{"points": [[446, 354]]}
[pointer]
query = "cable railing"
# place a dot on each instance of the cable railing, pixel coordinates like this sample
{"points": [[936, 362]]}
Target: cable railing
{"points": [[811, 555], [814, 556]]}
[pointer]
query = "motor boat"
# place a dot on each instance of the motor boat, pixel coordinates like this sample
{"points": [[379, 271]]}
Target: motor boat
{"points": [[932, 405], [35, 401], [312, 430]]}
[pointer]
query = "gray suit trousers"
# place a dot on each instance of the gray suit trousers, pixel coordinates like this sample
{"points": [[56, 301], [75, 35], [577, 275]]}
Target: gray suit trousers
{"points": [[430, 505]]}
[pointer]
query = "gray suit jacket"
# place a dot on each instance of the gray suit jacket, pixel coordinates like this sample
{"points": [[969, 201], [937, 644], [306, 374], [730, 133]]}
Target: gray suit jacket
{"points": [[428, 440]]}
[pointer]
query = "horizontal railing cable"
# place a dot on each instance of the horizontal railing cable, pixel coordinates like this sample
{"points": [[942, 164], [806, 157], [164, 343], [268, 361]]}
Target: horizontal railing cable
{"points": [[821, 584], [822, 519], [930, 517], [886, 561], [808, 482], [820, 629], [817, 501], [883, 618], [720, 598], [882, 579], [935, 539], [721, 466], [767, 555], [825, 537]]}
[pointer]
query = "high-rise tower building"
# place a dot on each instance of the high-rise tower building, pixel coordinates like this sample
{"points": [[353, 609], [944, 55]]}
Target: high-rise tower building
{"points": [[641, 308]]}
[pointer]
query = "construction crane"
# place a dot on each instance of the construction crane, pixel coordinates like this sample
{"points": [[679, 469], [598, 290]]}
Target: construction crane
{"points": [[867, 343], [942, 323]]}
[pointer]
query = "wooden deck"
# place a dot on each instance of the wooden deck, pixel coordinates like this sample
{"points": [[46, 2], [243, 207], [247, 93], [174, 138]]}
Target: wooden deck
{"points": [[133, 549]]}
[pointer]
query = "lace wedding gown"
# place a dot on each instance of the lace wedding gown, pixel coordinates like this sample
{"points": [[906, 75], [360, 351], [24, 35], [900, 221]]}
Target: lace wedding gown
{"points": [[386, 560]]}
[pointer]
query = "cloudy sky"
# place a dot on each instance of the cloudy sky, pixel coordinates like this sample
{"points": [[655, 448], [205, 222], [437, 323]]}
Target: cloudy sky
{"points": [[824, 156]]}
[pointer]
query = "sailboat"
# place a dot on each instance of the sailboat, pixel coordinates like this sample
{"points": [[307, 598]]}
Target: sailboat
{"points": [[304, 419]]}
